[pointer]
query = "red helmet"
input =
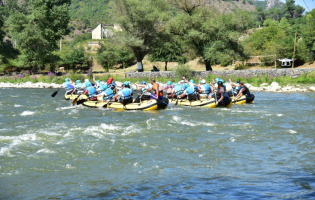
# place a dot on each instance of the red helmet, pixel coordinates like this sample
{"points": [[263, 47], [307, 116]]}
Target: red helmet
{"points": [[110, 78], [109, 81]]}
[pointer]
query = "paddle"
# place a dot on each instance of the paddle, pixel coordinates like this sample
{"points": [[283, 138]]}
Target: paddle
{"points": [[75, 100], [55, 93]]}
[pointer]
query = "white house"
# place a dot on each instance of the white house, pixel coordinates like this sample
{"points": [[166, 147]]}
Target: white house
{"points": [[102, 31]]}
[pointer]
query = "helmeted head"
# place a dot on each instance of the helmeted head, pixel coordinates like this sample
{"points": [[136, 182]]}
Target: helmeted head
{"points": [[123, 86], [87, 84], [109, 81], [126, 83], [78, 81], [86, 80], [110, 78], [67, 79], [98, 81], [192, 81], [186, 85], [169, 83], [144, 83], [203, 81], [238, 81], [220, 83], [217, 80]]}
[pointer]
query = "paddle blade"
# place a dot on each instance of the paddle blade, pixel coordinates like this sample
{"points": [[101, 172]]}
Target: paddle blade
{"points": [[74, 101], [54, 94]]}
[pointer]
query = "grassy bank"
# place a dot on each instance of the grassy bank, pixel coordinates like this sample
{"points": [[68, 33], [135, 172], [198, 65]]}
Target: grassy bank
{"points": [[255, 81]]}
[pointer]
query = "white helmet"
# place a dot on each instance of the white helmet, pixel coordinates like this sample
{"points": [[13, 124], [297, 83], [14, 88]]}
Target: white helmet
{"points": [[203, 81], [86, 80]]}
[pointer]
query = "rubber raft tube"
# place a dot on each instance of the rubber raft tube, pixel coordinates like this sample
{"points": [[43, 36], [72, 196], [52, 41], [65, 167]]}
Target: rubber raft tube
{"points": [[204, 103], [70, 96], [144, 105], [243, 99]]}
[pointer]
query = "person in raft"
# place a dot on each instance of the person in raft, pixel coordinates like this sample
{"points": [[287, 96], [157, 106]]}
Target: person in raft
{"points": [[244, 90], [124, 95], [188, 92], [155, 90], [145, 95], [107, 94], [78, 88], [178, 89], [68, 86], [111, 84], [89, 91], [205, 88], [221, 96], [236, 86], [169, 88]]}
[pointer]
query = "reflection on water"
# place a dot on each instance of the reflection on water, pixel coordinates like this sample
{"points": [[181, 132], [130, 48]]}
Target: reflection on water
{"points": [[50, 149]]}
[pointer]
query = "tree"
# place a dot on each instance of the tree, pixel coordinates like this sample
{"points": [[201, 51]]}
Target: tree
{"points": [[270, 22], [284, 24], [169, 52], [6, 49], [213, 35], [188, 6], [37, 25], [74, 57], [142, 24]]}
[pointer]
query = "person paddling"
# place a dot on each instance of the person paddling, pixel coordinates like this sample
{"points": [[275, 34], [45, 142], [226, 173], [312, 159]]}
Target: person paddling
{"points": [[124, 95], [169, 87], [155, 88], [204, 88], [89, 91], [78, 87], [68, 86], [145, 95], [244, 90]]}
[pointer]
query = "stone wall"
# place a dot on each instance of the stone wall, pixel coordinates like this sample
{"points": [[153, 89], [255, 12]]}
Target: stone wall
{"points": [[294, 73]]}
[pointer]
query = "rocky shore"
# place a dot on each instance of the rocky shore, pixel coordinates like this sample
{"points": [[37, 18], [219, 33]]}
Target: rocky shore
{"points": [[273, 87]]}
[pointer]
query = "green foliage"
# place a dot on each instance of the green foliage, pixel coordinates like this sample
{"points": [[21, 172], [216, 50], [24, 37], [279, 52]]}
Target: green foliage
{"points": [[169, 52], [183, 70], [213, 35], [37, 26], [90, 12], [74, 57], [270, 22], [80, 38], [142, 24]]}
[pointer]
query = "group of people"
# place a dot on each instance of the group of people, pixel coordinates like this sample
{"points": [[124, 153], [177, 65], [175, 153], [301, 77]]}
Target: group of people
{"points": [[184, 89]]}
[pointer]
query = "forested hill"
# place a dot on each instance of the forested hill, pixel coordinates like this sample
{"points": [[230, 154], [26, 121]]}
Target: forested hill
{"points": [[96, 11]]}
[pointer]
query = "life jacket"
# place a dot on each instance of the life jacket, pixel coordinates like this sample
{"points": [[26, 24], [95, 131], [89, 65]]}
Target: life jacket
{"points": [[126, 93], [108, 93], [156, 86], [205, 88], [169, 88], [112, 86], [79, 85], [178, 89], [91, 91], [100, 87], [67, 85], [189, 90], [195, 88]]}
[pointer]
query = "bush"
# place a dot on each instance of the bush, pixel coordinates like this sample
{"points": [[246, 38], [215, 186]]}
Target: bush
{"points": [[240, 67], [183, 70]]}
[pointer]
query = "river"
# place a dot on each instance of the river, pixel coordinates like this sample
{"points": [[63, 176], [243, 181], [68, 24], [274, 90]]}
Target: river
{"points": [[50, 149]]}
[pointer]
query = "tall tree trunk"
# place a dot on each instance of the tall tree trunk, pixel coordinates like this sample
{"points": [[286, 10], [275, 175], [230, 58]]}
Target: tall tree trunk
{"points": [[139, 53], [165, 65], [208, 65], [34, 70], [123, 65]]}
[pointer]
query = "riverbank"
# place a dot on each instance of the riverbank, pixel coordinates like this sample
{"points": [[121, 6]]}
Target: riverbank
{"points": [[273, 87]]}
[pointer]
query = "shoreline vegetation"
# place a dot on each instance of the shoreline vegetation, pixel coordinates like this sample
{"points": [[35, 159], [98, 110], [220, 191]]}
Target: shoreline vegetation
{"points": [[303, 83]]}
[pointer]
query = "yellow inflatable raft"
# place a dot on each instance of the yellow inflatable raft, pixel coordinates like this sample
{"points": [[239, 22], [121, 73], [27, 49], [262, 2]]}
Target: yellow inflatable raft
{"points": [[204, 103]]}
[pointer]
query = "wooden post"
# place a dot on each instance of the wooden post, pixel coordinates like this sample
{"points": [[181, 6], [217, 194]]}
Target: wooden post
{"points": [[275, 61], [294, 50]]}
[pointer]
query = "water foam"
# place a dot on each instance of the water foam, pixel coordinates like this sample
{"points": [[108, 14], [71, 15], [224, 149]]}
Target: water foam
{"points": [[26, 113], [16, 105], [292, 131], [44, 151]]}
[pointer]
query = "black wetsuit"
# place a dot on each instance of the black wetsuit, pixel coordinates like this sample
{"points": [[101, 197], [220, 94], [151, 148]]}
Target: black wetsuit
{"points": [[246, 91]]}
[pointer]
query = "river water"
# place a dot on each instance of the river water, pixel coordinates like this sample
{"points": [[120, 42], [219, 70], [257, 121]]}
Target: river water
{"points": [[49, 149]]}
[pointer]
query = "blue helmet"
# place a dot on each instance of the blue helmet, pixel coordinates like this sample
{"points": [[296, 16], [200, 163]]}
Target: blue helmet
{"points": [[87, 84], [78, 81], [126, 83], [98, 81], [144, 82], [217, 80], [67, 79], [192, 81], [169, 83], [222, 80]]}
